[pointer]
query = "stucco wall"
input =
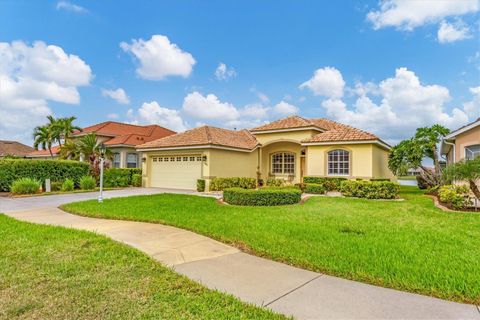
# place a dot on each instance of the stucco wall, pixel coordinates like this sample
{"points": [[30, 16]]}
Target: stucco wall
{"points": [[465, 139], [380, 163], [226, 163], [266, 154], [361, 159], [123, 156], [298, 136]]}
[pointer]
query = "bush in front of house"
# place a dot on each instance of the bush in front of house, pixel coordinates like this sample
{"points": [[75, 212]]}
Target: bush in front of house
{"points": [[55, 186], [88, 183], [454, 196], [68, 185], [262, 197], [55, 170], [272, 182], [379, 179], [201, 185], [25, 186], [220, 184], [137, 180], [314, 188], [330, 183], [370, 189], [120, 177]]}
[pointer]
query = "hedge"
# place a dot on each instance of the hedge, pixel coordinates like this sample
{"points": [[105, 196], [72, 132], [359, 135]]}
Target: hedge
{"points": [[55, 170], [219, 184], [262, 197], [330, 183], [314, 188], [370, 189], [119, 177]]}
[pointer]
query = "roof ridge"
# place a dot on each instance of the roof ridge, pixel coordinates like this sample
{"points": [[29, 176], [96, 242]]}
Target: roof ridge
{"points": [[208, 134]]}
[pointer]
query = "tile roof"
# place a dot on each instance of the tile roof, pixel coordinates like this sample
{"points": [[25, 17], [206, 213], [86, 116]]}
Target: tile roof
{"points": [[206, 135], [126, 134], [44, 153], [14, 148], [285, 123]]}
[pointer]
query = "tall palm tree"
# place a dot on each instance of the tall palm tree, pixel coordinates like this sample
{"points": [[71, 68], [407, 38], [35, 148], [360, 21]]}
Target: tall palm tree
{"points": [[66, 127], [90, 148], [70, 150], [44, 136], [55, 129]]}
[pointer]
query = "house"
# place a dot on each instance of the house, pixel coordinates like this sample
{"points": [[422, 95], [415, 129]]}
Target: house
{"points": [[120, 138], [463, 143], [288, 149], [13, 148]]}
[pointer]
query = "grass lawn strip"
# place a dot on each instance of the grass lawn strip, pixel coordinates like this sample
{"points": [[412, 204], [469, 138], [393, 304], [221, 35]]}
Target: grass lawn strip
{"points": [[407, 245], [57, 273]]}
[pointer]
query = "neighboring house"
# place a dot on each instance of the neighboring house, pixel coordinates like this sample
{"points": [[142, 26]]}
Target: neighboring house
{"points": [[44, 154], [14, 148], [289, 149], [120, 138], [463, 143]]}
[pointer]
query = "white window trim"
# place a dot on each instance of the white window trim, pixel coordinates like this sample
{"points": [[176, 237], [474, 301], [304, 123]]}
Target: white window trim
{"points": [[136, 162], [349, 164], [283, 163]]}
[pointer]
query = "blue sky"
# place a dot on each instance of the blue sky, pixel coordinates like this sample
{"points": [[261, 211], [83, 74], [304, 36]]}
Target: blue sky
{"points": [[387, 67]]}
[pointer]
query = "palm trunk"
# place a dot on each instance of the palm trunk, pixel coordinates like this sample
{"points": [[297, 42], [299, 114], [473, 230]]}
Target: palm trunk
{"points": [[50, 150], [436, 163], [474, 188]]}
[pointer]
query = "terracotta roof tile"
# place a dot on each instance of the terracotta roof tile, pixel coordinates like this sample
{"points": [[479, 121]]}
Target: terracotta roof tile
{"points": [[206, 135], [14, 148], [44, 153], [285, 123]]}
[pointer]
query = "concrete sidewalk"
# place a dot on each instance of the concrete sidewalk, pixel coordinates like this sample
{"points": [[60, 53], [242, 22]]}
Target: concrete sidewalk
{"points": [[285, 289]]}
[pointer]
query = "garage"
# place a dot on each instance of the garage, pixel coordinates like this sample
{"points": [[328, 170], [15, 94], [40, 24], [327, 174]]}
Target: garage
{"points": [[175, 171]]}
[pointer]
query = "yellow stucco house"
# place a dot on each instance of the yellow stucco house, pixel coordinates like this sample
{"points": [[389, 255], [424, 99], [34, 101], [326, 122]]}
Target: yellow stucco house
{"points": [[289, 149]]}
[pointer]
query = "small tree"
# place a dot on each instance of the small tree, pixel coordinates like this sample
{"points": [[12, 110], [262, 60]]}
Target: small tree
{"points": [[465, 170]]}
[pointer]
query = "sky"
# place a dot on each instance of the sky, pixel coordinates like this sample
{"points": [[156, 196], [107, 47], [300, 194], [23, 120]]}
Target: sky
{"points": [[387, 67]]}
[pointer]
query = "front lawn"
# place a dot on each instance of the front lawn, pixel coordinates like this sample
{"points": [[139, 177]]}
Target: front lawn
{"points": [[408, 245], [56, 273]]}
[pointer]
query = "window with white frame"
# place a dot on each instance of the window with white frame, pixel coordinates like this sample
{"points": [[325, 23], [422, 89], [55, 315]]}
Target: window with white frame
{"points": [[339, 162], [132, 160], [283, 163], [116, 160], [471, 152]]}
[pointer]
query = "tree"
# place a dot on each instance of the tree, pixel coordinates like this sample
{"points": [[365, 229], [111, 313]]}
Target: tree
{"points": [[465, 170], [89, 147], [54, 128], [410, 153], [44, 136], [70, 150], [66, 127]]}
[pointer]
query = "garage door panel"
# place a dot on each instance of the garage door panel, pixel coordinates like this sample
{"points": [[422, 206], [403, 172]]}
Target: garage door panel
{"points": [[176, 171]]}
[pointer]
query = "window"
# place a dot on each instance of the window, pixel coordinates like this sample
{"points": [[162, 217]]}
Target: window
{"points": [[471, 152], [339, 162], [192, 158], [116, 160], [154, 159], [199, 158], [179, 158], [132, 160], [185, 158], [172, 158], [283, 163]]}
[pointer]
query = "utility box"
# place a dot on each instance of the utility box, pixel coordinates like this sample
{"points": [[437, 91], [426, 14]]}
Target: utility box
{"points": [[48, 187]]}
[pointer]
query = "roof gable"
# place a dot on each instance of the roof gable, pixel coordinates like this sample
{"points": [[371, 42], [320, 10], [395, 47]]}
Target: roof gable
{"points": [[13, 148]]}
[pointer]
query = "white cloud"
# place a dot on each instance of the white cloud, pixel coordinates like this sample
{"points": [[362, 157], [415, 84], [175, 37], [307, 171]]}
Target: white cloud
{"points": [[159, 58], [30, 76], [326, 82], [153, 113], [113, 116], [472, 107], [449, 32], [409, 14], [208, 107], [284, 108], [255, 110], [118, 95], [405, 104], [224, 73], [68, 6]]}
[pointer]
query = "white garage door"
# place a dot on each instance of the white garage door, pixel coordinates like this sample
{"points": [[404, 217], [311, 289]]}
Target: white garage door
{"points": [[176, 171]]}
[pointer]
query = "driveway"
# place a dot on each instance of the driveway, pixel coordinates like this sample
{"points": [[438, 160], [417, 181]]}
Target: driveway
{"points": [[282, 288]]}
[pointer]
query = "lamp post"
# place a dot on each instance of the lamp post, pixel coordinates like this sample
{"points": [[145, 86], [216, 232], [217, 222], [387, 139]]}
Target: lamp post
{"points": [[102, 160]]}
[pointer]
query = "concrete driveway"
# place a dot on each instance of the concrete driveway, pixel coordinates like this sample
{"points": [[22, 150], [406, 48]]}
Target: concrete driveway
{"points": [[282, 288]]}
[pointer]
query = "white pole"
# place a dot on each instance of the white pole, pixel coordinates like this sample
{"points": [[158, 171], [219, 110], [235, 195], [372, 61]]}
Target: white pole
{"points": [[100, 197]]}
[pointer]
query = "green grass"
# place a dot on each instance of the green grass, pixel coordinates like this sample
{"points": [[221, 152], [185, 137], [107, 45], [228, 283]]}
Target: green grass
{"points": [[56, 273], [408, 245]]}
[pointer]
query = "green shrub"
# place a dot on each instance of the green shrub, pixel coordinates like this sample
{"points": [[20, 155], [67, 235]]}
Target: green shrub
{"points": [[68, 185], [300, 186], [200, 185], [219, 184], [55, 170], [25, 186], [55, 186], [330, 183], [370, 189], [453, 195], [380, 179], [137, 180], [272, 182], [116, 177], [88, 183], [314, 188], [262, 197]]}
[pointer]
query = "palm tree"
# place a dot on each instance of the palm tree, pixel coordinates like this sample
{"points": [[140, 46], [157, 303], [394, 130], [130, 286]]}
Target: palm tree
{"points": [[54, 128], [90, 148], [70, 150], [44, 136], [467, 171], [66, 127]]}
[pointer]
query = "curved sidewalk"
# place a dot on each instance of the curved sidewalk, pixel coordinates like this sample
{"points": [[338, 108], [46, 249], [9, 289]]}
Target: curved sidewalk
{"points": [[285, 289]]}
